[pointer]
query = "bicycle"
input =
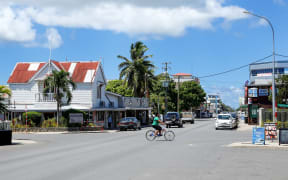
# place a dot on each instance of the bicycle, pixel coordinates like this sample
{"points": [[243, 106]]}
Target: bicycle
{"points": [[169, 135]]}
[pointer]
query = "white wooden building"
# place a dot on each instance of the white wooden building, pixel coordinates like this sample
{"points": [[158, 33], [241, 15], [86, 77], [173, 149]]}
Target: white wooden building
{"points": [[27, 83]]}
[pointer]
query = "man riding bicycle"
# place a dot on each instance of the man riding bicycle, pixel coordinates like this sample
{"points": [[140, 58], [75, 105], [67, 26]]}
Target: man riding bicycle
{"points": [[155, 125]]}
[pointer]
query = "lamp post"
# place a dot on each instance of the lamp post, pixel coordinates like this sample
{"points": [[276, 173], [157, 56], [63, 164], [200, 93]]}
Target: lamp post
{"points": [[273, 69]]}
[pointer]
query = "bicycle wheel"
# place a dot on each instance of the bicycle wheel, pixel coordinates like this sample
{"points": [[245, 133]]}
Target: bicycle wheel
{"points": [[150, 135], [169, 135]]}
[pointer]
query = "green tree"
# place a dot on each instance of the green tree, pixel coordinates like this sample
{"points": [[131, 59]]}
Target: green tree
{"points": [[226, 108], [137, 70], [157, 96], [59, 83], [191, 95], [3, 90], [119, 87], [282, 86]]}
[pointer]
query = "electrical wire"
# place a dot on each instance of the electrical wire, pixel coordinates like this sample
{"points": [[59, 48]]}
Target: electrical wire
{"points": [[234, 69]]}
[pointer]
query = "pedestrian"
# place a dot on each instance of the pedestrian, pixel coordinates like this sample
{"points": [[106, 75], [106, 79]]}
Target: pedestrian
{"points": [[110, 122]]}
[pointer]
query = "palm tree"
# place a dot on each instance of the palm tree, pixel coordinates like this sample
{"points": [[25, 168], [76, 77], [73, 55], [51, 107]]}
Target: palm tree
{"points": [[136, 70], [3, 90], [58, 83]]}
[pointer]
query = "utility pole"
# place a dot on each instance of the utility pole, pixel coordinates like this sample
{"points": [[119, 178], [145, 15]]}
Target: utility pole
{"points": [[166, 84], [178, 94]]}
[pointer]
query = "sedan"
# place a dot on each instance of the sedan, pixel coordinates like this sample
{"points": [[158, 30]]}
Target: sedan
{"points": [[225, 121], [129, 123]]}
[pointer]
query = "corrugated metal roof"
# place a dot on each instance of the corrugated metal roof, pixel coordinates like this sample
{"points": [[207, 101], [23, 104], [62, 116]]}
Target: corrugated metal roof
{"points": [[182, 74], [23, 72]]}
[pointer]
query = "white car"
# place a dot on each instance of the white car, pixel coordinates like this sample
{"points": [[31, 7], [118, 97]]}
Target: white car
{"points": [[225, 121]]}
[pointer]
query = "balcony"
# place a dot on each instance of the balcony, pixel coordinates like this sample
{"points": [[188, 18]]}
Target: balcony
{"points": [[44, 97], [132, 102]]}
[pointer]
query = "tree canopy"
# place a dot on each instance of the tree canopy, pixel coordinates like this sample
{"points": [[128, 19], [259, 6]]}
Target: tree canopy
{"points": [[119, 87], [3, 90], [138, 71], [282, 86], [191, 95]]}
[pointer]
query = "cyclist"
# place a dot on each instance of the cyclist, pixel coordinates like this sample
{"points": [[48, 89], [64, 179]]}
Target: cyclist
{"points": [[156, 126]]}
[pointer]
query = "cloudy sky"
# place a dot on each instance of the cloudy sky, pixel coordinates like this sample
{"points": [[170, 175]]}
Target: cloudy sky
{"points": [[201, 37]]}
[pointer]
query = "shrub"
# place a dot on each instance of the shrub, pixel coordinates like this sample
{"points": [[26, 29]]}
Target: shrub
{"points": [[33, 118], [49, 123]]}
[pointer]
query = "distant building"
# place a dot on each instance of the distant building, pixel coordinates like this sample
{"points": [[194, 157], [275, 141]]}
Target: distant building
{"points": [[213, 103], [258, 90], [183, 77]]}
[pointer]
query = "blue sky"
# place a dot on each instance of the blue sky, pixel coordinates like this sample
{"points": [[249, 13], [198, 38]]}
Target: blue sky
{"points": [[201, 37]]}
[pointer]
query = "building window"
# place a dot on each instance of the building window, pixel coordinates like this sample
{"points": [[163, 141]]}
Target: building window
{"points": [[99, 91], [266, 72]]}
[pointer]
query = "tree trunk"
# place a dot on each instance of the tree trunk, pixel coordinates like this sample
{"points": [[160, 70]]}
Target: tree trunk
{"points": [[57, 118]]}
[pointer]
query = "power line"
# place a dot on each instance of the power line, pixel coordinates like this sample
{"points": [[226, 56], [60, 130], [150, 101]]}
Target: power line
{"points": [[235, 69]]}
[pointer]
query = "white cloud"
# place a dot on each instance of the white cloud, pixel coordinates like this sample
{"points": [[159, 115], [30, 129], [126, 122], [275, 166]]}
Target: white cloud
{"points": [[54, 38], [280, 2], [15, 26], [132, 17]]}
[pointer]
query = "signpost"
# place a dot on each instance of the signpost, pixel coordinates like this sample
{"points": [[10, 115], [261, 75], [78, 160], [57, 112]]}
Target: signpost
{"points": [[76, 118], [270, 130], [258, 135]]}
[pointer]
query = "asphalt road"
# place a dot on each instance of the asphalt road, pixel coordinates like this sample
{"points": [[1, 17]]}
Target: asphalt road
{"points": [[198, 152]]}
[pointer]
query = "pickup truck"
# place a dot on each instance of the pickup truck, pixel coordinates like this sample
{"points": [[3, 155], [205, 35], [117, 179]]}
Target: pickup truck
{"points": [[173, 119], [187, 117]]}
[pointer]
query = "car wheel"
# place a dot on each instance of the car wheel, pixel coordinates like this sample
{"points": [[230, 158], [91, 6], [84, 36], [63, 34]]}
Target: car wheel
{"points": [[183, 122], [216, 128], [167, 126], [192, 122], [139, 128]]}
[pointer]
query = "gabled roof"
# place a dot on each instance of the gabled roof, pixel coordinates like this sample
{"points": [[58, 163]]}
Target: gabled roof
{"points": [[24, 71], [80, 72], [182, 74]]}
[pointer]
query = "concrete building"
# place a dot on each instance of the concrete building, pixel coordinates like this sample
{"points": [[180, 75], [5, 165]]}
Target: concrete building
{"points": [[258, 89], [183, 77], [213, 103]]}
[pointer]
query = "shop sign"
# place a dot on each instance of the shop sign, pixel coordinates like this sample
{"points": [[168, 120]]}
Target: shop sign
{"points": [[263, 92], [258, 135], [252, 92], [250, 101], [76, 118]]}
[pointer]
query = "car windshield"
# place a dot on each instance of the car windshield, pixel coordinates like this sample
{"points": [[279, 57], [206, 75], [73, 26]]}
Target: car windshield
{"points": [[233, 115], [127, 120], [171, 115], [223, 116]]}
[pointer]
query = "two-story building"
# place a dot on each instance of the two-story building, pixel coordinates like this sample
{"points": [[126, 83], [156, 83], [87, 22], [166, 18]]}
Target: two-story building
{"points": [[27, 84], [258, 89]]}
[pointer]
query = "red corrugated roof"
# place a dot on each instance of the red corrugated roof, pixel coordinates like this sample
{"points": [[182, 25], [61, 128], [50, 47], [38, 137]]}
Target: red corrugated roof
{"points": [[21, 73], [66, 65], [81, 70], [182, 74]]}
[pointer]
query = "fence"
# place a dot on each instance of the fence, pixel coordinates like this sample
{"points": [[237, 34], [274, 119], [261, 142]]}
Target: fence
{"points": [[266, 116]]}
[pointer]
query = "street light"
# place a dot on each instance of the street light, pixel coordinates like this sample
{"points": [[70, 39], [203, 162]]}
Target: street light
{"points": [[273, 69]]}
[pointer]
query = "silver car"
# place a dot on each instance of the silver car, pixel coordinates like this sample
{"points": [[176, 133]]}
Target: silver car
{"points": [[225, 121]]}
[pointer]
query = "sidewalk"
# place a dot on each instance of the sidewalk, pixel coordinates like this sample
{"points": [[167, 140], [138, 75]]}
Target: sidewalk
{"points": [[268, 144], [67, 132], [244, 127]]}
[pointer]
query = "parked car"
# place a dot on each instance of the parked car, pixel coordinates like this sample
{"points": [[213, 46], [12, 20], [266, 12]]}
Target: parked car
{"points": [[129, 123], [187, 117], [205, 115], [173, 119], [225, 121]]}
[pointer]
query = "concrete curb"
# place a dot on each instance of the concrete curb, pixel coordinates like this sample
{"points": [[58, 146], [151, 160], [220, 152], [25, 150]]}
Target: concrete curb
{"points": [[22, 141], [249, 144]]}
